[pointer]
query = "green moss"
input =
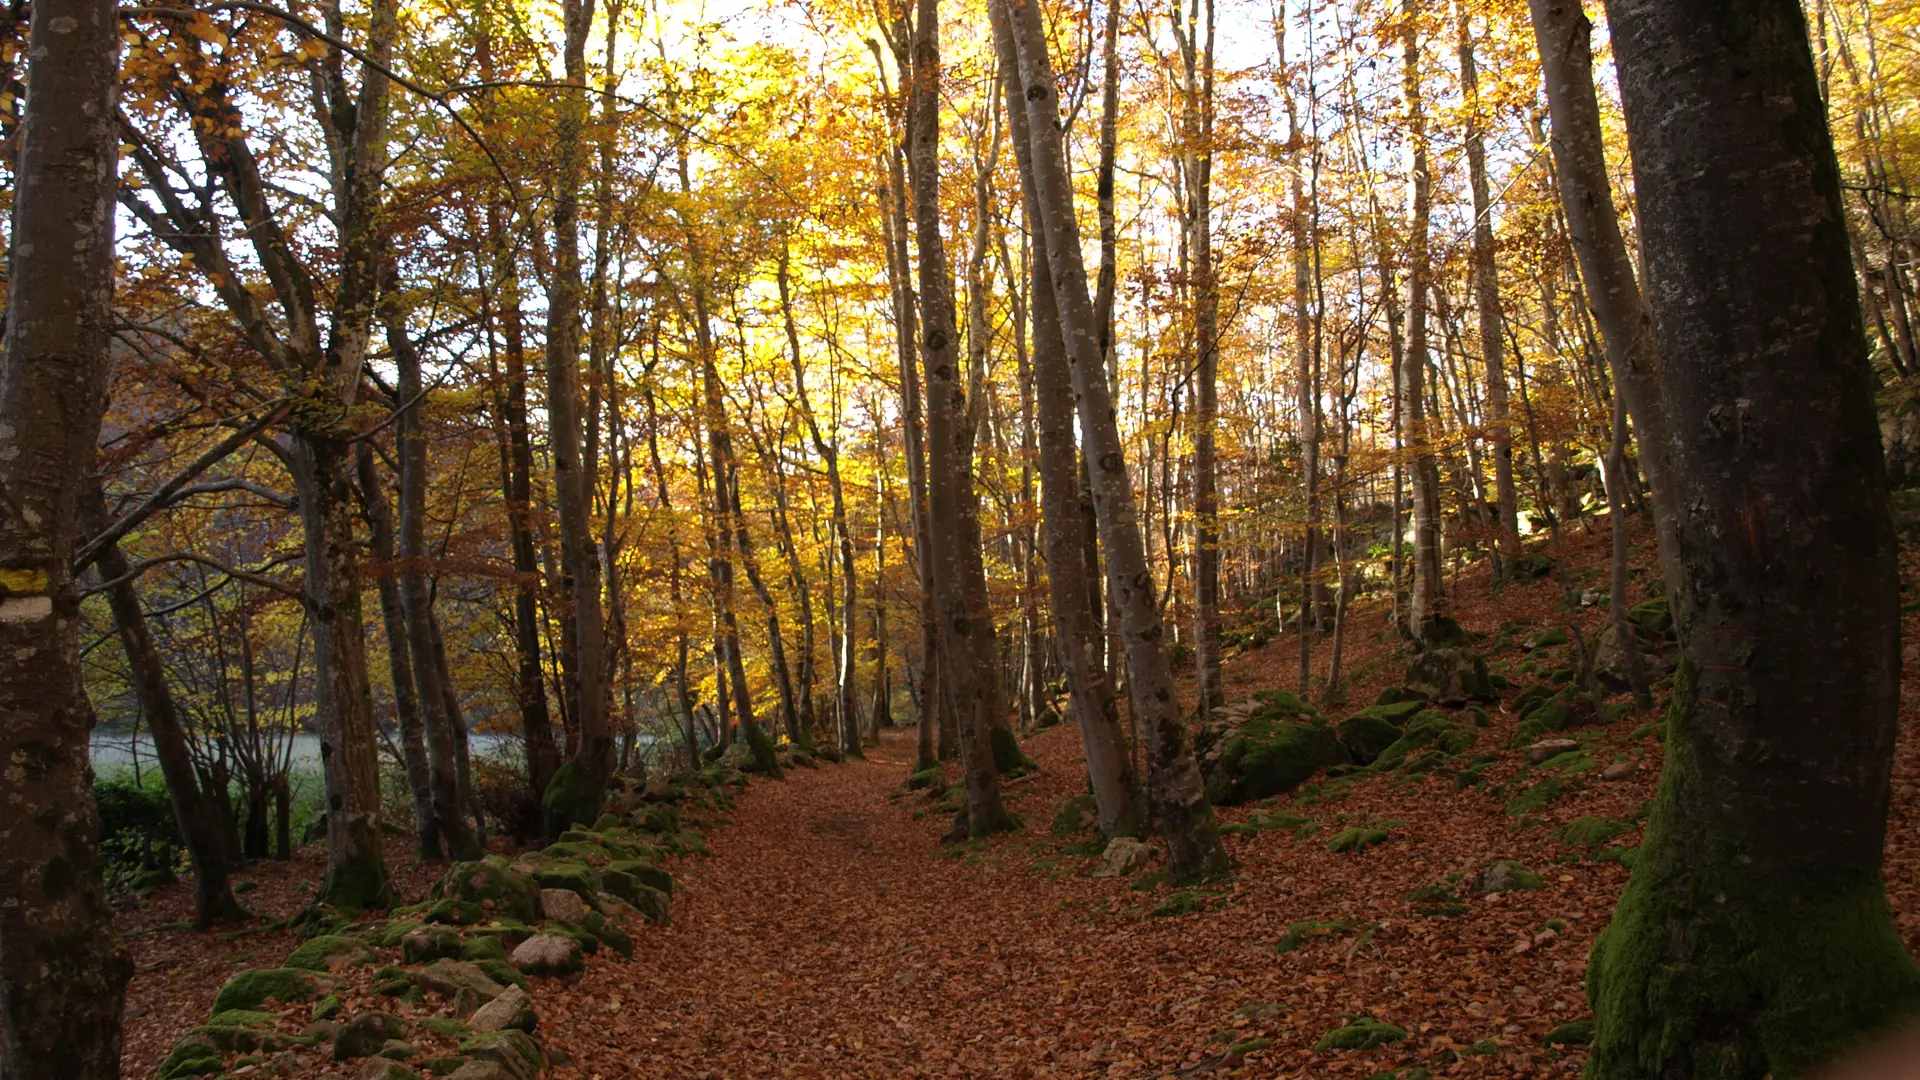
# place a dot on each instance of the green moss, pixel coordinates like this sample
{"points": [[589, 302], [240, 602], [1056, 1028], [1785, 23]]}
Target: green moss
{"points": [[327, 1007], [1076, 815], [653, 905], [1249, 1046], [1428, 730], [445, 1026], [570, 799], [570, 875], [483, 947], [657, 818], [515, 1050], [927, 779], [1262, 758], [766, 758], [313, 954], [1281, 704], [194, 1055], [1008, 758], [1355, 840], [1365, 736], [1361, 1033], [502, 972], [1184, 902], [1726, 968], [249, 988], [360, 881], [430, 943], [456, 912], [1304, 933], [1577, 1033], [1592, 832]]}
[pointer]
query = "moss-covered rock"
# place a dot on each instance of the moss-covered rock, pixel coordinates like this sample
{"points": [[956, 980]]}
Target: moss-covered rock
{"points": [[1365, 735], [933, 778], [1280, 704], [510, 1048], [1508, 875], [1451, 676], [1361, 1033], [483, 947], [1076, 815], [1355, 839], [569, 798], [1431, 730], [430, 943], [249, 988], [1308, 931], [1591, 832], [1261, 757], [194, 1055], [366, 1035], [572, 874], [329, 951]]}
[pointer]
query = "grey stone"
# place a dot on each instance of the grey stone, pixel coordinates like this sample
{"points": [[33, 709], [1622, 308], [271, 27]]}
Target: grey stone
{"points": [[1619, 770], [549, 954], [1123, 856], [482, 1070], [512, 1009], [449, 977], [384, 1069], [365, 1035], [564, 905], [1546, 749]]}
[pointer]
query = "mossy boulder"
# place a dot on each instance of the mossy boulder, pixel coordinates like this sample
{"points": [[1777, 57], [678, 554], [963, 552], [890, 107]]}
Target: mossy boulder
{"points": [[1361, 1033], [1365, 735], [510, 1048], [1398, 695], [647, 874], [491, 883], [1530, 568], [1652, 618], [430, 943], [366, 1035], [550, 953], [1577, 1033], [1076, 815], [1429, 733], [1508, 875], [250, 988], [572, 874], [1451, 676], [483, 947], [569, 798], [1356, 839], [933, 778], [657, 818], [194, 1055], [1260, 756], [329, 952], [609, 934], [1592, 833], [1283, 704], [653, 905]]}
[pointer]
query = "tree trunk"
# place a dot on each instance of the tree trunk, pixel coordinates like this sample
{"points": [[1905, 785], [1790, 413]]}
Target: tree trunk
{"points": [[843, 533], [1754, 937], [1178, 796], [1429, 585], [1606, 267], [431, 677], [213, 899], [1486, 295], [972, 676], [575, 792], [406, 701]]}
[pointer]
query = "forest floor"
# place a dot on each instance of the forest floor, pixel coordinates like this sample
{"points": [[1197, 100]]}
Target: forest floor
{"points": [[832, 934]]}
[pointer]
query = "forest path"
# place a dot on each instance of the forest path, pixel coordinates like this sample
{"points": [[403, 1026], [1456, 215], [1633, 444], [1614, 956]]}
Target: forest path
{"points": [[830, 934]]}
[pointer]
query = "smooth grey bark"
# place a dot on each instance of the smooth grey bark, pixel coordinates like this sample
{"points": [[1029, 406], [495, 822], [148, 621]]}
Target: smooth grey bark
{"points": [[430, 675], [1429, 582], [63, 972], [1096, 709], [1174, 786], [1564, 36], [393, 620], [1486, 295], [575, 792], [972, 675], [1754, 937]]}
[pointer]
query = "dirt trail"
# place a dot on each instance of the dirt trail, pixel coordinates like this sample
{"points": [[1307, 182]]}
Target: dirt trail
{"points": [[830, 935]]}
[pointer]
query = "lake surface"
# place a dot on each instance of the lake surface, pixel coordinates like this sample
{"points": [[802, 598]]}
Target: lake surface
{"points": [[116, 751]]}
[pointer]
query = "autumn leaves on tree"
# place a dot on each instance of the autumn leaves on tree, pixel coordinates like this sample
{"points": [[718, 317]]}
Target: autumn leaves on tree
{"points": [[676, 393]]}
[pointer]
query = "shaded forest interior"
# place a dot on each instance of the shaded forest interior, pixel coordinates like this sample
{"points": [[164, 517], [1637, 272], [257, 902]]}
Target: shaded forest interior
{"points": [[1321, 538]]}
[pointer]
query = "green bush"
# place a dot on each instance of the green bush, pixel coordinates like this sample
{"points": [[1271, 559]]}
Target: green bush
{"points": [[139, 838]]}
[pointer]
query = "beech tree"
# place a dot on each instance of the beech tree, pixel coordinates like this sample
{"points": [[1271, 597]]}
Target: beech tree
{"points": [[63, 973], [1754, 938]]}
